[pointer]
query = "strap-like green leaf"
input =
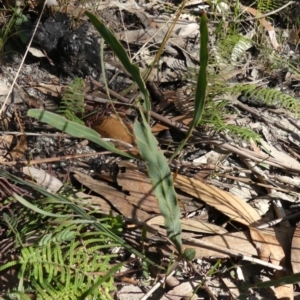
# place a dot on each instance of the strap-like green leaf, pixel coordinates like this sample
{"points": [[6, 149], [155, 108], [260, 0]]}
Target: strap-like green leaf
{"points": [[120, 52], [74, 129], [202, 76], [162, 181]]}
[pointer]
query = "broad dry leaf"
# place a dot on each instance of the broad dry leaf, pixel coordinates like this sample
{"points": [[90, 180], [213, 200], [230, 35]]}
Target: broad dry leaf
{"points": [[141, 191], [239, 242], [230, 205], [269, 249], [116, 198], [295, 250], [191, 225], [115, 128], [140, 188], [267, 245], [95, 202]]}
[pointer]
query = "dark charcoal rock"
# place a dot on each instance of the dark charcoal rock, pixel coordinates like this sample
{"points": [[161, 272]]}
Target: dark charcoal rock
{"points": [[76, 53], [79, 53], [49, 32]]}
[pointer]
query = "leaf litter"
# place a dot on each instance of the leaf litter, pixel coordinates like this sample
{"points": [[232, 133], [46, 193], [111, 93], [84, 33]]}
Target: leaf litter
{"points": [[232, 220]]}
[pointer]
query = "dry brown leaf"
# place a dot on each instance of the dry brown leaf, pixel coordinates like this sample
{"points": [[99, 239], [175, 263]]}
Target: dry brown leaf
{"points": [[141, 191], [238, 242], [20, 148], [50, 89], [266, 24], [270, 250], [267, 246], [140, 188], [185, 119], [94, 202], [191, 225], [295, 250], [116, 198], [158, 128], [113, 127], [230, 205]]}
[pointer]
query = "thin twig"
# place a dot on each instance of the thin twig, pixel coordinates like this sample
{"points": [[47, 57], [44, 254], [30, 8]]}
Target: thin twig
{"points": [[271, 12], [277, 221], [232, 253]]}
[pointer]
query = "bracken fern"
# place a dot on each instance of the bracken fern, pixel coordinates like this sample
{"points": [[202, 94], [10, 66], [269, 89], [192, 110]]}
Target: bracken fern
{"points": [[72, 102], [64, 264]]}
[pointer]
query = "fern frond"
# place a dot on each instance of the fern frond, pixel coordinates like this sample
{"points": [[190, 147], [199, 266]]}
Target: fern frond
{"points": [[266, 6], [72, 102], [213, 119], [60, 270], [11, 222], [9, 265], [268, 96], [230, 50]]}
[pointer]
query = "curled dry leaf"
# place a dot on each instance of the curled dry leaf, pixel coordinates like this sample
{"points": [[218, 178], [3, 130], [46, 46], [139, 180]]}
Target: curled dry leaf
{"points": [[43, 179], [115, 128], [191, 225], [20, 148], [230, 205]]}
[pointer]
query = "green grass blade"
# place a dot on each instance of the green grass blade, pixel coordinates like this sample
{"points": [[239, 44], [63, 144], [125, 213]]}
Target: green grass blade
{"points": [[74, 129], [78, 211], [38, 210], [162, 181], [202, 76], [291, 279], [120, 52]]}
